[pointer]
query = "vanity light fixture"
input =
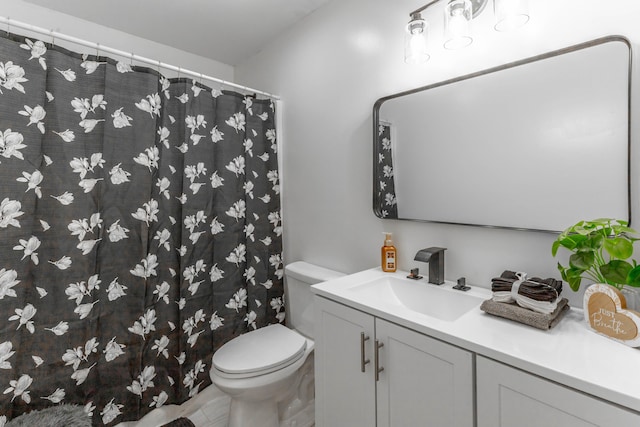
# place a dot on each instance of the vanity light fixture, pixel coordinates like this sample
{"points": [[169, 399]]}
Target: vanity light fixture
{"points": [[458, 14]]}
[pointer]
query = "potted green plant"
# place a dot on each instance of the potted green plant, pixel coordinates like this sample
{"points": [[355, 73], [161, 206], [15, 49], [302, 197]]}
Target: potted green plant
{"points": [[602, 252]]}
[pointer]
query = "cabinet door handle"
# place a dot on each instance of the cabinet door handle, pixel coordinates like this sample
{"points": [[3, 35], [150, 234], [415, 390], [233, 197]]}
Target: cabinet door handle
{"points": [[363, 361], [376, 356]]}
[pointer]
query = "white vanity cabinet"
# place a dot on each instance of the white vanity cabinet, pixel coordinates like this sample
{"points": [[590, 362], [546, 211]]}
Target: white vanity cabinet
{"points": [[509, 397], [425, 382], [442, 362], [345, 396], [370, 372]]}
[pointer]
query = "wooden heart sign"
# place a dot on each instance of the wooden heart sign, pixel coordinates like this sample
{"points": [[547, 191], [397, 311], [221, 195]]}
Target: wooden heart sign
{"points": [[605, 312]]}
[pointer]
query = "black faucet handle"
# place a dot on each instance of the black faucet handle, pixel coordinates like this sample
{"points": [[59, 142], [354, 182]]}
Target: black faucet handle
{"points": [[414, 274], [462, 285]]}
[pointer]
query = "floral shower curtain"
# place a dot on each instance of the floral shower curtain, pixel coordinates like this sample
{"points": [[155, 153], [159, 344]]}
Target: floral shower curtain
{"points": [[386, 199], [139, 231]]}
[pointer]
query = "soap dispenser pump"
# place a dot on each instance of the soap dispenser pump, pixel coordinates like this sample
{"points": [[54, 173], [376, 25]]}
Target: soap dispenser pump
{"points": [[388, 255]]}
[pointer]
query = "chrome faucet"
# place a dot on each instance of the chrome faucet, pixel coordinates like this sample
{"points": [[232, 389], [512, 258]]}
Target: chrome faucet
{"points": [[435, 257]]}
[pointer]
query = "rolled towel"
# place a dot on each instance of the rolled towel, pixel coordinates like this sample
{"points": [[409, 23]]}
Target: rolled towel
{"points": [[534, 288], [534, 294]]}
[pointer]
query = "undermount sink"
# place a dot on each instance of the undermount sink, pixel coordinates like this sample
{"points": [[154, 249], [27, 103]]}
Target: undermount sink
{"points": [[420, 297]]}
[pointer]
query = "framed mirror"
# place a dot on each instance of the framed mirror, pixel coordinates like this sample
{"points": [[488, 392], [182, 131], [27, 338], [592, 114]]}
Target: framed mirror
{"points": [[537, 144]]}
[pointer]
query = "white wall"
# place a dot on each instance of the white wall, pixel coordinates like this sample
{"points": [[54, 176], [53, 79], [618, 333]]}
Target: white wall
{"points": [[22, 11], [332, 67], [329, 70]]}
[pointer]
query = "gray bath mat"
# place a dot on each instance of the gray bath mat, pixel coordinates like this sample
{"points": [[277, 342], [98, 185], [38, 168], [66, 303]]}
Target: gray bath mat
{"points": [[56, 416]]}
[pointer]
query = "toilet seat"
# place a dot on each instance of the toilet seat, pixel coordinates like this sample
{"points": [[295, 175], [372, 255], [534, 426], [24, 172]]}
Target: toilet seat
{"points": [[259, 352]]}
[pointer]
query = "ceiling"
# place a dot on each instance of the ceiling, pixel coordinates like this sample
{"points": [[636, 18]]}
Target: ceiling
{"points": [[229, 31]]}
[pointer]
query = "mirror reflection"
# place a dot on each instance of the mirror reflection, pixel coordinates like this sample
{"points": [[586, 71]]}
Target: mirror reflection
{"points": [[537, 144]]}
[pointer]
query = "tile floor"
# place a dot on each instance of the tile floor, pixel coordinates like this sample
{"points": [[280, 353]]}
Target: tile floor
{"points": [[210, 408]]}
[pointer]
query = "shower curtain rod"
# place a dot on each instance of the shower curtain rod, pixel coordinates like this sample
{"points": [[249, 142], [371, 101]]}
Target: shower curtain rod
{"points": [[100, 48]]}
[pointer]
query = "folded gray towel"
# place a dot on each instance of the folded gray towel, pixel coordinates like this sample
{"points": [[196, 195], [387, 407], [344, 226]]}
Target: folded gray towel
{"points": [[512, 311]]}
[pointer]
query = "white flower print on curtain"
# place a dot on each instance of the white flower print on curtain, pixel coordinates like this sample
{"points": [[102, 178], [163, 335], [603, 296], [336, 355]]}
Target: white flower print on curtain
{"points": [[387, 202], [140, 230]]}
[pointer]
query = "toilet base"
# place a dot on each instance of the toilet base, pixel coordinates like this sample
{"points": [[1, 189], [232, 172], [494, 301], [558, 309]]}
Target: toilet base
{"points": [[244, 413]]}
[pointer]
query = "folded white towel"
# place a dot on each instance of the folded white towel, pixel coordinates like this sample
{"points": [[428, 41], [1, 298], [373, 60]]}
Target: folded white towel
{"points": [[544, 307]]}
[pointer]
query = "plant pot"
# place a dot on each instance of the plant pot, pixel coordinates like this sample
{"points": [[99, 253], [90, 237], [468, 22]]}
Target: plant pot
{"points": [[632, 295]]}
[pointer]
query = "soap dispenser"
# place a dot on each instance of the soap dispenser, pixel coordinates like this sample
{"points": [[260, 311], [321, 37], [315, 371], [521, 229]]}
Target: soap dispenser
{"points": [[388, 255]]}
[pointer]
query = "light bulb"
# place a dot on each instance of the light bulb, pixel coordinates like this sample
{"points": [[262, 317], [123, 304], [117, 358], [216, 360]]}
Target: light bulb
{"points": [[510, 14], [415, 48], [457, 18]]}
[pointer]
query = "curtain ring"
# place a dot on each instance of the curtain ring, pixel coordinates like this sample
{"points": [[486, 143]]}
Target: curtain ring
{"points": [[97, 51], [8, 26], [53, 37], [179, 72], [131, 62]]}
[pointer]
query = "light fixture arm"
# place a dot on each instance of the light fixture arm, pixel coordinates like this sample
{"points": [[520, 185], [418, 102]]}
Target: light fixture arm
{"points": [[477, 6], [420, 9]]}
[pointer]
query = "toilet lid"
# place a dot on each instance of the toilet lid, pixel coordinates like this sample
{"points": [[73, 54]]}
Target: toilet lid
{"points": [[261, 351]]}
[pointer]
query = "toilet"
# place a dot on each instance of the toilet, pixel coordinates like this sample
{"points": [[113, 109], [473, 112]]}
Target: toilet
{"points": [[261, 368]]}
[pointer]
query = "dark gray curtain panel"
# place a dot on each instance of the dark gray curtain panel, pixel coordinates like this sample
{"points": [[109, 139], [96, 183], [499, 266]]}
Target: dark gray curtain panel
{"points": [[384, 171], [140, 230]]}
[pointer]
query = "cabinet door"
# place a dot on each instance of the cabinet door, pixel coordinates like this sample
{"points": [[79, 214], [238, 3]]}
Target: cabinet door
{"points": [[345, 396], [508, 397], [425, 382]]}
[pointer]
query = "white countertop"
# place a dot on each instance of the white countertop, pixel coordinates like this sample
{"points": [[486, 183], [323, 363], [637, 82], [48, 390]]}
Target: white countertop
{"points": [[570, 353]]}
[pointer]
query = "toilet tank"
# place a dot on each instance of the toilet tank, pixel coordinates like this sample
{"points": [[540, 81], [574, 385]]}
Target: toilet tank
{"points": [[299, 276]]}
